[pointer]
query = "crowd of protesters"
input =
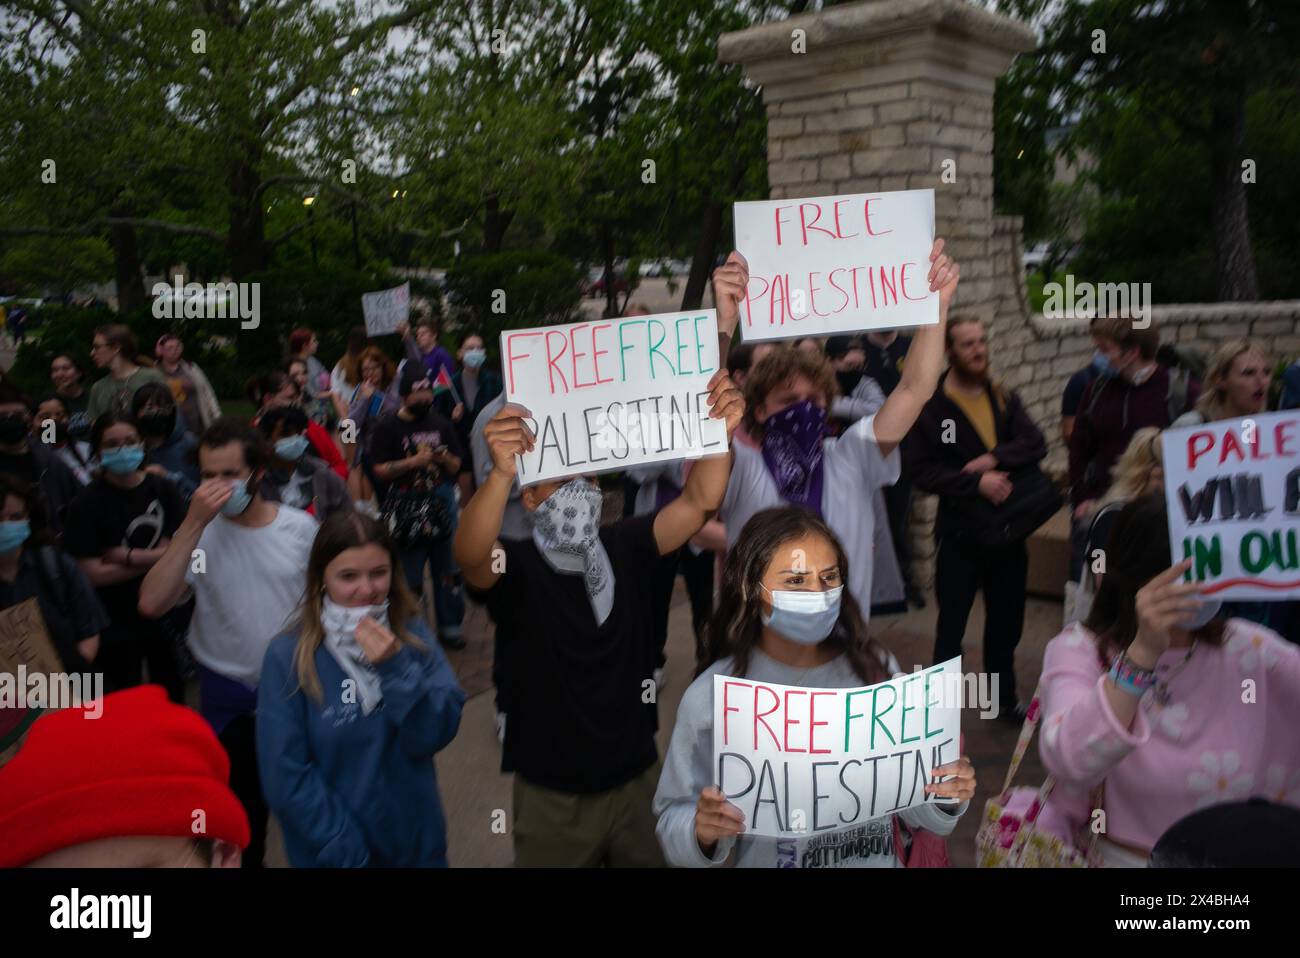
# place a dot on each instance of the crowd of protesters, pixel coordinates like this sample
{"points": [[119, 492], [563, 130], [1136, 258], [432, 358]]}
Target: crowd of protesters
{"points": [[296, 576]]}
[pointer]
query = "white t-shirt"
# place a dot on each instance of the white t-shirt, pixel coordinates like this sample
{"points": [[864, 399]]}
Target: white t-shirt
{"points": [[853, 470], [253, 581]]}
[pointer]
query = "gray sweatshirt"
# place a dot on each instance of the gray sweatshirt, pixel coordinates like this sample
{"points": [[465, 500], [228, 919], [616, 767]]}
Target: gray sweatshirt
{"points": [[688, 770]]}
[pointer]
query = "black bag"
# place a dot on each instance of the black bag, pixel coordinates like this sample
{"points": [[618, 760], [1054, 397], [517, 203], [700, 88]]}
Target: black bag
{"points": [[416, 517], [1032, 502]]}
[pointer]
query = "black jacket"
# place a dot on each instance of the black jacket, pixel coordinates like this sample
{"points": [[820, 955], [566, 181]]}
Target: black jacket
{"points": [[936, 465]]}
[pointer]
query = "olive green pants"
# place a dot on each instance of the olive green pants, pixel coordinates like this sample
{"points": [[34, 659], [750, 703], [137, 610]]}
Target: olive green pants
{"points": [[615, 829]]}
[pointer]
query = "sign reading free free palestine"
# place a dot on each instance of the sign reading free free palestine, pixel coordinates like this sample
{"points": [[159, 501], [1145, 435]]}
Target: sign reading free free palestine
{"points": [[826, 265], [614, 393], [797, 761], [1233, 492]]}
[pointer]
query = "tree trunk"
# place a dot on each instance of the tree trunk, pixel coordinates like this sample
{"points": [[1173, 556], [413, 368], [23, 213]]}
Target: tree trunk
{"points": [[1234, 258], [495, 224], [246, 247], [127, 271], [706, 250]]}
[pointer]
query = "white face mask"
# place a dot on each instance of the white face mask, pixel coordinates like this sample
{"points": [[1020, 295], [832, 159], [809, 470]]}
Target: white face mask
{"points": [[344, 619], [804, 617], [1208, 610]]}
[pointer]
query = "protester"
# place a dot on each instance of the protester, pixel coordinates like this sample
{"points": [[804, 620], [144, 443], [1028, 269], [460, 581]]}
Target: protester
{"points": [[886, 354], [1236, 385], [247, 577], [35, 462], [768, 629], [168, 445], [325, 409], [303, 345], [294, 476], [1290, 398], [473, 387], [114, 349], [422, 347], [52, 412], [32, 568], [581, 645], [116, 784], [355, 701], [68, 377], [975, 447], [417, 456], [190, 387], [1146, 697], [118, 527], [1139, 392], [1099, 365], [347, 371], [1139, 472], [277, 389], [374, 397]]}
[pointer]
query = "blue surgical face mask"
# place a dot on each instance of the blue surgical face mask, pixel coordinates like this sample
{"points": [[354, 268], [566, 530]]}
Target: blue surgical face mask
{"points": [[474, 358], [122, 460], [239, 499], [804, 617], [1102, 364], [13, 534], [1208, 610], [292, 448]]}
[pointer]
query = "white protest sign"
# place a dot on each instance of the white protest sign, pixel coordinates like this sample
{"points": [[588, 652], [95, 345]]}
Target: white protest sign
{"points": [[1233, 490], [836, 264], [798, 761], [614, 393], [386, 309]]}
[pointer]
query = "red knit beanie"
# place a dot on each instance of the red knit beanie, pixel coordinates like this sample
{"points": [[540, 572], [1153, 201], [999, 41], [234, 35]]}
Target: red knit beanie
{"points": [[142, 767]]}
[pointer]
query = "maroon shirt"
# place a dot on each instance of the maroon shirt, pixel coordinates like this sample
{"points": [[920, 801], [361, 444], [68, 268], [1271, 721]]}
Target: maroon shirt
{"points": [[1111, 410]]}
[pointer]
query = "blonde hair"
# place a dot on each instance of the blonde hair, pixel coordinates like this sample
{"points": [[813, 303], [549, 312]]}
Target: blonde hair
{"points": [[1134, 468], [1213, 402], [342, 531]]}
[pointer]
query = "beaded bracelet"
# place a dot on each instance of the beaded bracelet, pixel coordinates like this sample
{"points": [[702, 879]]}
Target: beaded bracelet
{"points": [[1131, 678]]}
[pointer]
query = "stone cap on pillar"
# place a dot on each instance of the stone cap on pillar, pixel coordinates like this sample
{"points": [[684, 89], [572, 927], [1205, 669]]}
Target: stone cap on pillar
{"points": [[846, 37]]}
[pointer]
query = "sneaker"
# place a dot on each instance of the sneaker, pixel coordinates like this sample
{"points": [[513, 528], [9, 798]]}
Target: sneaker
{"points": [[659, 678]]}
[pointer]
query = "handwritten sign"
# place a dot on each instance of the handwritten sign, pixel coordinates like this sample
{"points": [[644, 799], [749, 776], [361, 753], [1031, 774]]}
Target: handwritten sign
{"points": [[614, 393], [798, 761], [386, 309], [1233, 489], [836, 264], [25, 650]]}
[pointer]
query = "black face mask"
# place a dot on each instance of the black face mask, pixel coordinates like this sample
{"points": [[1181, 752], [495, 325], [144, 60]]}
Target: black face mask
{"points": [[848, 380], [13, 427], [158, 424]]}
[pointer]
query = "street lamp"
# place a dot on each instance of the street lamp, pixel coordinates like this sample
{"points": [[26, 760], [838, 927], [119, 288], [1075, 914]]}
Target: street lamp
{"points": [[310, 202]]}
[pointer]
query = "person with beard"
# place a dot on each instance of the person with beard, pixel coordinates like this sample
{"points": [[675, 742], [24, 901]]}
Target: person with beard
{"points": [[168, 445], [52, 411], [35, 462], [786, 398], [295, 476], [118, 527], [417, 456], [971, 439], [245, 561]]}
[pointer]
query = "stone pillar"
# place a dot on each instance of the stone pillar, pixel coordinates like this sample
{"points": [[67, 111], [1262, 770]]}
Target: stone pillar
{"points": [[886, 93]]}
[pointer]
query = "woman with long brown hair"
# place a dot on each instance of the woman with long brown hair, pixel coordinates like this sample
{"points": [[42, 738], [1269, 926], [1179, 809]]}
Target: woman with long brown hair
{"points": [[785, 617], [354, 702]]}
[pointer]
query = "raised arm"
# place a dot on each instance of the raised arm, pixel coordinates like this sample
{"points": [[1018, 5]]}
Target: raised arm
{"points": [[707, 484], [924, 360], [478, 535], [164, 584]]}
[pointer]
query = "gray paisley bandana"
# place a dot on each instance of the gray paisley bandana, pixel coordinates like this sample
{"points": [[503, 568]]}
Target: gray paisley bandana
{"points": [[566, 529]]}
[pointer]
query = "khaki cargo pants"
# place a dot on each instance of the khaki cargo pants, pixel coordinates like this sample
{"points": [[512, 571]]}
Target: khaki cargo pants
{"points": [[615, 829]]}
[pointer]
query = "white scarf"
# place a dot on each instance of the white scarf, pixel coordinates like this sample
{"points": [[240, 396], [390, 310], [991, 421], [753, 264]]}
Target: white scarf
{"points": [[340, 624], [566, 530]]}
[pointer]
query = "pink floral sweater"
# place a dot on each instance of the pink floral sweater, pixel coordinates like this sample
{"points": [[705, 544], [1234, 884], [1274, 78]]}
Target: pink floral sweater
{"points": [[1230, 731]]}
